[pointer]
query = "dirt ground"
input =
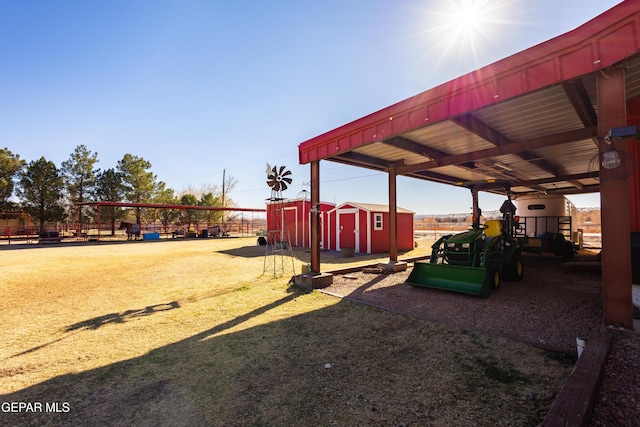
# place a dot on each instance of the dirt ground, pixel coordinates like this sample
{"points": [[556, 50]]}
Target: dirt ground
{"points": [[550, 307]]}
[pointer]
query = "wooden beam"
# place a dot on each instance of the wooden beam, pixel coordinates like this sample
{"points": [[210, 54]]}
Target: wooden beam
{"points": [[436, 177], [315, 216], [510, 148], [549, 180], [579, 98], [415, 147], [574, 403], [393, 216], [614, 203], [480, 128], [570, 190], [363, 160], [483, 130]]}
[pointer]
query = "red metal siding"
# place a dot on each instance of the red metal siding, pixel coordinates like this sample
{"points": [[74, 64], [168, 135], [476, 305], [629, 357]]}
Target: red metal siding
{"points": [[406, 240], [331, 229], [369, 240], [326, 230], [361, 232], [634, 189], [379, 238], [292, 225], [633, 118], [298, 221]]}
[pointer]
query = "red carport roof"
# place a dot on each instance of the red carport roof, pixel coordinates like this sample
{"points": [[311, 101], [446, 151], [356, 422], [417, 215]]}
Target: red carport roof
{"points": [[530, 118]]}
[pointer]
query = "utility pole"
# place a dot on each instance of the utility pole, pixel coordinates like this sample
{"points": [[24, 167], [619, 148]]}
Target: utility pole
{"points": [[224, 171]]}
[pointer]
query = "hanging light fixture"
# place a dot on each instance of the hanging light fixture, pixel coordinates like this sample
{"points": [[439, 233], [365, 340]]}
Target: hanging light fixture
{"points": [[610, 158], [613, 163]]}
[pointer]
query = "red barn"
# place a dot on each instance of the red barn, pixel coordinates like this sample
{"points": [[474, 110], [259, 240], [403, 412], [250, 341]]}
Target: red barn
{"points": [[296, 221], [365, 227]]}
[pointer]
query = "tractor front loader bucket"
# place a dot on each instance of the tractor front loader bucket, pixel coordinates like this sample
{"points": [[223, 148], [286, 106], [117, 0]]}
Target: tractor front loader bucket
{"points": [[469, 280]]}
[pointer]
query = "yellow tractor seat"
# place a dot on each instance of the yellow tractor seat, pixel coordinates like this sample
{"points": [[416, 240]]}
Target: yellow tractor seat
{"points": [[494, 228]]}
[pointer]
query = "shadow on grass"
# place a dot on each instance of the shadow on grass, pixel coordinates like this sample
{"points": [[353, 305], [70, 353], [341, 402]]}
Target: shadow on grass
{"points": [[99, 321], [345, 364]]}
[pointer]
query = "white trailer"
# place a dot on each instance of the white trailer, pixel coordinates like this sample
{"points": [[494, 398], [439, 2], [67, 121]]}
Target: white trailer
{"points": [[546, 224]]}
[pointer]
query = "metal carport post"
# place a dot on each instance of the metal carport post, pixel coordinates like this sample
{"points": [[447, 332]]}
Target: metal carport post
{"points": [[614, 205]]}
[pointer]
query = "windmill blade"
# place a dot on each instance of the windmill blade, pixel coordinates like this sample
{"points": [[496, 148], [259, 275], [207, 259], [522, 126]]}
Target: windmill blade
{"points": [[277, 178], [272, 180]]}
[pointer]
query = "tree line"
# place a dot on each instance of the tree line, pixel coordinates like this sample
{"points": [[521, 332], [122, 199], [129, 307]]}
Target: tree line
{"points": [[52, 194]]}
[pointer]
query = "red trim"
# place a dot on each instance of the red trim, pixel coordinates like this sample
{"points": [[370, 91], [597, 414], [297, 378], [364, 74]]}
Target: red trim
{"points": [[160, 206], [600, 43]]}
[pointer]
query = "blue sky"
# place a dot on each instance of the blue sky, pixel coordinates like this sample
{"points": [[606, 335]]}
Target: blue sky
{"points": [[198, 87]]}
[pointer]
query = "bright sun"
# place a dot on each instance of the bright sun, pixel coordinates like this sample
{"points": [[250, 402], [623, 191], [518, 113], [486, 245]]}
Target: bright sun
{"points": [[468, 18], [462, 28]]}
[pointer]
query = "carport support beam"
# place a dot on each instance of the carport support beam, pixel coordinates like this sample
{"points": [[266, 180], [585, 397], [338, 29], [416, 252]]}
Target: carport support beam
{"points": [[315, 216], [614, 204], [393, 216]]}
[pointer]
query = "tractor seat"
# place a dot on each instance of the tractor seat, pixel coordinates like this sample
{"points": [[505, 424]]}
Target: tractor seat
{"points": [[494, 228]]}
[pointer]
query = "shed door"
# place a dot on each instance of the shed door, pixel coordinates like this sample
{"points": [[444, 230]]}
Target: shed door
{"points": [[291, 221], [347, 230]]}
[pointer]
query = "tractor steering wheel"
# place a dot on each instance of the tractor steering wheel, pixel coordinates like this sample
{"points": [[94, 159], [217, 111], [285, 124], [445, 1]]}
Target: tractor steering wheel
{"points": [[483, 226]]}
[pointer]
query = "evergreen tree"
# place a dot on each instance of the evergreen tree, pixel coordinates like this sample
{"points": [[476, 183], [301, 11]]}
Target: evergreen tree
{"points": [[40, 189], [139, 183], [10, 166], [209, 199], [189, 216], [109, 188], [79, 176], [165, 196]]}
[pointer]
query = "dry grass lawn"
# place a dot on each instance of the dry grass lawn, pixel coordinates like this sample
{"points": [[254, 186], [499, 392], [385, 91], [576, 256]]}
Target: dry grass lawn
{"points": [[190, 332]]}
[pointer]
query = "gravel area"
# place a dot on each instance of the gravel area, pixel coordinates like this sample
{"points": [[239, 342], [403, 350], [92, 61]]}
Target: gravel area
{"points": [[618, 399], [549, 309]]}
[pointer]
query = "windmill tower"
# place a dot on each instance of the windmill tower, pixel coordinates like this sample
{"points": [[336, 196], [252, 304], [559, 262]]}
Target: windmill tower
{"points": [[278, 239]]}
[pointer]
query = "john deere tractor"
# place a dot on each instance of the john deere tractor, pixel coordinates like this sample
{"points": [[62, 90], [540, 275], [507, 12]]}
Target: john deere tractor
{"points": [[476, 260]]}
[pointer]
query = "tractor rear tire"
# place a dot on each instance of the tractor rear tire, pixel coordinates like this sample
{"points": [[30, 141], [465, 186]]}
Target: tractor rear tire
{"points": [[515, 271]]}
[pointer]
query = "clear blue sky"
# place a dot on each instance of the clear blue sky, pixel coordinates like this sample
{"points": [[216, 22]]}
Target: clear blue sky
{"points": [[197, 87]]}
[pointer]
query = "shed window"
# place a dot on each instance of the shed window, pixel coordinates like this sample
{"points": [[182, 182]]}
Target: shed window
{"points": [[377, 221]]}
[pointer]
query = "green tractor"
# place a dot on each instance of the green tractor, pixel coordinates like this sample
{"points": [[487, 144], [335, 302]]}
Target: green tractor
{"points": [[475, 261]]}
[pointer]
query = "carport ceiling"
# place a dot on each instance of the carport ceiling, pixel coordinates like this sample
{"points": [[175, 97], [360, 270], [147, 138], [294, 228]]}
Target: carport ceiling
{"points": [[538, 141], [530, 118]]}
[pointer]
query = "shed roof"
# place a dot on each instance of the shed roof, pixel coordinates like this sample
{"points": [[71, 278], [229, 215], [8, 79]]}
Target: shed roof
{"points": [[372, 207], [530, 118]]}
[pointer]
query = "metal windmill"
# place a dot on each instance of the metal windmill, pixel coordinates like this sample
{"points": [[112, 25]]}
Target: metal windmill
{"points": [[278, 238]]}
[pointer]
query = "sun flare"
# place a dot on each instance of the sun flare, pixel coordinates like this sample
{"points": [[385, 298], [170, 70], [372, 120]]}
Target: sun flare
{"points": [[456, 35], [468, 22]]}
